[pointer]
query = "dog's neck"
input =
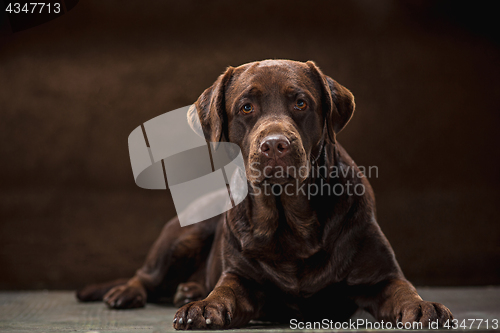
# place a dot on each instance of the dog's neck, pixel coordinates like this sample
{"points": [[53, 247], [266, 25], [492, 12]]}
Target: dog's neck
{"points": [[271, 208], [275, 220]]}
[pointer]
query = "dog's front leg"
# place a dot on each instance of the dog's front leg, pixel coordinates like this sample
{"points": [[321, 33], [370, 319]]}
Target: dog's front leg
{"points": [[396, 300], [231, 304]]}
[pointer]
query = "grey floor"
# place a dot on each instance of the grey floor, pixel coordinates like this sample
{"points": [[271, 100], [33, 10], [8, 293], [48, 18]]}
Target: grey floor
{"points": [[58, 311]]}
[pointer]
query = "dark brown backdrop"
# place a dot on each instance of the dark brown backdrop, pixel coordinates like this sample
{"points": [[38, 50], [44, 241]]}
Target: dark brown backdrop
{"points": [[426, 77]]}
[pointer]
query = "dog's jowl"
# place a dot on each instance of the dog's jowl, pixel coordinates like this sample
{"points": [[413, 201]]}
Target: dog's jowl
{"points": [[304, 244]]}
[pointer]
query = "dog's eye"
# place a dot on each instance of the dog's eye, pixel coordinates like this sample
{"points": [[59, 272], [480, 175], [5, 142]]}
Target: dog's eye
{"points": [[247, 108], [300, 104]]}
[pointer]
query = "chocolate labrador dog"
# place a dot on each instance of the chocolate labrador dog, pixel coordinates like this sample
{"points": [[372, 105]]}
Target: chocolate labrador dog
{"points": [[304, 244]]}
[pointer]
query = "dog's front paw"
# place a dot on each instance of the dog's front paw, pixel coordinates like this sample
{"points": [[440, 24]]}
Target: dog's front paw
{"points": [[424, 312], [206, 314], [125, 297]]}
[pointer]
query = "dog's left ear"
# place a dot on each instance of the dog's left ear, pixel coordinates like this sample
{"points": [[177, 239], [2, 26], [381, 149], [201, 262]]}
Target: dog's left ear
{"points": [[337, 100], [211, 110]]}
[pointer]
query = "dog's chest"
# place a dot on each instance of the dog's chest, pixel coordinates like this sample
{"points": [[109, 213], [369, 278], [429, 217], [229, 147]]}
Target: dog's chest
{"points": [[299, 277], [286, 248]]}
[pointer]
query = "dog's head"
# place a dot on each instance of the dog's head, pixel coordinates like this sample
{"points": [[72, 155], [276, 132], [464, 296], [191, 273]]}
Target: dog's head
{"points": [[279, 112]]}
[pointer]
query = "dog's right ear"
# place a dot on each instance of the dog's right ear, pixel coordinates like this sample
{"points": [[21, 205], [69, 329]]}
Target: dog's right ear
{"points": [[211, 110]]}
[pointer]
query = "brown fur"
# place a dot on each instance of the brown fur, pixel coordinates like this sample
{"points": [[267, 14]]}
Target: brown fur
{"points": [[277, 257]]}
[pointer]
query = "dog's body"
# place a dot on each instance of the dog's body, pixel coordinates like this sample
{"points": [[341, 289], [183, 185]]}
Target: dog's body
{"points": [[283, 252]]}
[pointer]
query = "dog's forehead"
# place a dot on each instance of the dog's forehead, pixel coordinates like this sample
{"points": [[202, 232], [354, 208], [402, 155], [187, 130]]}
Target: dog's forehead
{"points": [[274, 74], [277, 63], [274, 69]]}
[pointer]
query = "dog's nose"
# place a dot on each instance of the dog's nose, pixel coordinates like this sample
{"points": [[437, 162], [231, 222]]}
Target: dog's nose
{"points": [[275, 146]]}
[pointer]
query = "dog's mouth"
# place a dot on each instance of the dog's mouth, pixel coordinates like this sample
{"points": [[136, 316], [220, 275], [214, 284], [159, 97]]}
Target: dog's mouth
{"points": [[277, 171]]}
